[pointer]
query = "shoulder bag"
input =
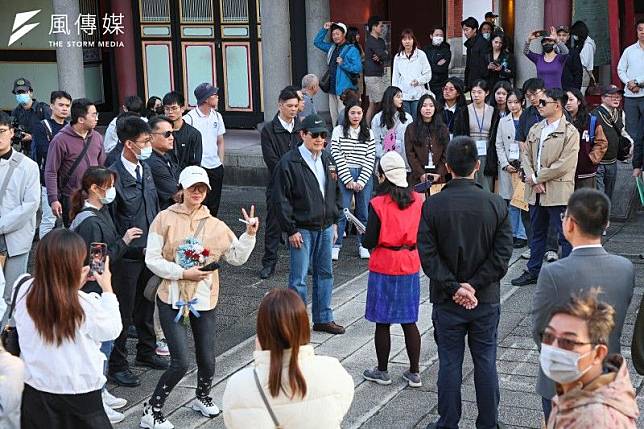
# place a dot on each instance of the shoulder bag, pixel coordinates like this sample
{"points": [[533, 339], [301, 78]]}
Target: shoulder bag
{"points": [[9, 335], [65, 178], [325, 80], [152, 286], [265, 400]]}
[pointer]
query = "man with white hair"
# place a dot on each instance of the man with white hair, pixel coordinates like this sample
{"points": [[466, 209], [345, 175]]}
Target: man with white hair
{"points": [[310, 87]]}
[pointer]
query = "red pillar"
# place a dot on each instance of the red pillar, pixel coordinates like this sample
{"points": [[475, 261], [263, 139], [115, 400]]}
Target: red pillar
{"points": [[125, 57], [556, 13], [613, 28]]}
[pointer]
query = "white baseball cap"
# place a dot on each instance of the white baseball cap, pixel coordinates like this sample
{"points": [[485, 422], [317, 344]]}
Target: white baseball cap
{"points": [[193, 174], [394, 168]]}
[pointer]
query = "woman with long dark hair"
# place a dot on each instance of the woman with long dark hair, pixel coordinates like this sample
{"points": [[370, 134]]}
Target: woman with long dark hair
{"points": [[92, 221], [453, 101], [499, 97], [476, 121], [393, 290], [500, 61], [411, 71], [61, 330], [302, 390], [354, 152], [427, 135], [153, 107], [592, 143], [389, 124]]}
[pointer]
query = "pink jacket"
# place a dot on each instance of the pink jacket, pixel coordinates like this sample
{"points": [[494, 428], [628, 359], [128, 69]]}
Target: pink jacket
{"points": [[607, 402]]}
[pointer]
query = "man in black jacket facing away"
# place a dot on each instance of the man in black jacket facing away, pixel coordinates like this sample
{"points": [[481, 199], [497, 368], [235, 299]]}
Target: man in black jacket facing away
{"points": [[278, 137], [136, 204], [477, 50], [162, 162], [305, 190], [573, 71], [465, 243]]}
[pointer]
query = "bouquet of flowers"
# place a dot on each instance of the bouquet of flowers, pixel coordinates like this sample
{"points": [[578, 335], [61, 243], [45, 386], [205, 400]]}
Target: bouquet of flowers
{"points": [[190, 254]]}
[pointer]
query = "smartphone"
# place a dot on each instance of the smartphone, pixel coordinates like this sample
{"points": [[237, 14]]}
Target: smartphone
{"points": [[542, 33], [213, 266], [97, 255]]}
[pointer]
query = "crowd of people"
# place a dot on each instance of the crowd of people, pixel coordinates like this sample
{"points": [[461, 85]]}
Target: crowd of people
{"points": [[531, 168]]}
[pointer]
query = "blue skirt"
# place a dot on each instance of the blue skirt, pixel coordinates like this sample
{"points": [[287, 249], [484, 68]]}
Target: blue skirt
{"points": [[393, 299]]}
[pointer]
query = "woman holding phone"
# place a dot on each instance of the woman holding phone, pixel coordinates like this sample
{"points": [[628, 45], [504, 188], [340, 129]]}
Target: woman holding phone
{"points": [[190, 293], [92, 221], [551, 62]]}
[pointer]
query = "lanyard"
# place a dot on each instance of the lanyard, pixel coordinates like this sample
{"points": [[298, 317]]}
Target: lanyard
{"points": [[479, 123]]}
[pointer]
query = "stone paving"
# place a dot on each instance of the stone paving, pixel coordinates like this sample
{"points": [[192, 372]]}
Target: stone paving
{"points": [[396, 405]]}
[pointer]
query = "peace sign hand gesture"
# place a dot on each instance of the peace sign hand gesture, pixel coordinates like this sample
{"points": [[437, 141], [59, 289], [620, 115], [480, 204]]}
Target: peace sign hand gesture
{"points": [[252, 223]]}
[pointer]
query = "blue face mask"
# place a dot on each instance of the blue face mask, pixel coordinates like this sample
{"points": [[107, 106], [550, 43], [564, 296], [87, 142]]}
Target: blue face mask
{"points": [[23, 98], [146, 152]]}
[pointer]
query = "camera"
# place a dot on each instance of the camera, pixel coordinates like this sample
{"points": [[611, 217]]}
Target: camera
{"points": [[18, 135]]}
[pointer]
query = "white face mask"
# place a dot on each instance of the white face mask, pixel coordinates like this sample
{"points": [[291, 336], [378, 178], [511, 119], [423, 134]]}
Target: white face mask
{"points": [[561, 365], [110, 194], [437, 40], [487, 36]]}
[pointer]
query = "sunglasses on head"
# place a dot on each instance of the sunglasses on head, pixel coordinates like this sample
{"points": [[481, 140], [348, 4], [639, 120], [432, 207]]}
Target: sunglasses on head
{"points": [[549, 338], [322, 134], [166, 134]]}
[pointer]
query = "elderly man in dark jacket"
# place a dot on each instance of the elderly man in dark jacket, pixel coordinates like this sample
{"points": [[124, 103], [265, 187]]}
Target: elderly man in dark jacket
{"points": [[162, 162], [278, 137], [477, 50], [136, 205], [306, 193], [465, 244]]}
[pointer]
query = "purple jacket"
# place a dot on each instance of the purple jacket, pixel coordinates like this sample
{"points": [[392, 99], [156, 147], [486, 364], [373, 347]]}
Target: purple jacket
{"points": [[64, 148]]}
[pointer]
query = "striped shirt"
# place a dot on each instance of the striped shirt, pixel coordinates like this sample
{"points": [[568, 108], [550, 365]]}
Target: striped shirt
{"points": [[349, 152]]}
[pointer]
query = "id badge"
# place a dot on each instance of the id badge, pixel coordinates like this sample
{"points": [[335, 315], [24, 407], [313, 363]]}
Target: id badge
{"points": [[513, 153], [481, 147]]}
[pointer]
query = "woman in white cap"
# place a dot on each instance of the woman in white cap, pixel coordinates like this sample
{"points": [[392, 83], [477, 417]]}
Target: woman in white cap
{"points": [[190, 293], [393, 292]]}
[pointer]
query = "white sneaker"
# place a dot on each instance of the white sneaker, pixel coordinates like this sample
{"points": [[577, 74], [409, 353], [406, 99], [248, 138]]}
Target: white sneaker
{"points": [[526, 254], [205, 406], [551, 256], [162, 348], [113, 415], [154, 419], [364, 253], [112, 401], [335, 253]]}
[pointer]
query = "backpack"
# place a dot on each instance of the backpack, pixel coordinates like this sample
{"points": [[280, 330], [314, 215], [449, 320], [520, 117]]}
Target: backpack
{"points": [[592, 124]]}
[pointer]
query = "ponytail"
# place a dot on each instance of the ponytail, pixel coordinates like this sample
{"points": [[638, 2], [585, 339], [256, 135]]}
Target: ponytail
{"points": [[99, 176], [77, 202]]}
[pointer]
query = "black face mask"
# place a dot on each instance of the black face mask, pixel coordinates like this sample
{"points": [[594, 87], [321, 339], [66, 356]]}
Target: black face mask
{"points": [[548, 48], [159, 110]]}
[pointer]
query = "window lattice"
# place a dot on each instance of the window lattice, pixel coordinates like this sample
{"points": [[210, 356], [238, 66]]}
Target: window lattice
{"points": [[155, 11], [234, 11], [196, 11]]}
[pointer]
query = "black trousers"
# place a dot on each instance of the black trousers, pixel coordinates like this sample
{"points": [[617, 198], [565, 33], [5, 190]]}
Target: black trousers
{"points": [[216, 178], [129, 281], [66, 202], [42, 410], [272, 235]]}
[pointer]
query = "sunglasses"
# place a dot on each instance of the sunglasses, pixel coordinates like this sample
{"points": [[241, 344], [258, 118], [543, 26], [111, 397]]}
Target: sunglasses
{"points": [[543, 102], [165, 134], [323, 134], [549, 338]]}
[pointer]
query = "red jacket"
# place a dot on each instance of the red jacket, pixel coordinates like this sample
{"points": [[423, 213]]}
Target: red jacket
{"points": [[399, 229]]}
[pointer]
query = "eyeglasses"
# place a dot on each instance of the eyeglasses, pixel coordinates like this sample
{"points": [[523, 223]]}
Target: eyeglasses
{"points": [[21, 91], [165, 134], [543, 102], [548, 338], [145, 142], [533, 94], [171, 108], [318, 135]]}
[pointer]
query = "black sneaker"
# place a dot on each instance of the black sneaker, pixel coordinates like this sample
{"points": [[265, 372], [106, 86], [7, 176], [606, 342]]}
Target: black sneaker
{"points": [[520, 243], [527, 278]]}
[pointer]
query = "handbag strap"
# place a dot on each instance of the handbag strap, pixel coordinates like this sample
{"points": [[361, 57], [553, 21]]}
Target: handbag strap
{"points": [[65, 179], [14, 161], [200, 226], [263, 395], [15, 294]]}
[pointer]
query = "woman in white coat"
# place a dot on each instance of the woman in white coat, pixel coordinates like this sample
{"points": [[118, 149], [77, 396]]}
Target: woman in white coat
{"points": [[411, 71], [288, 387], [508, 152]]}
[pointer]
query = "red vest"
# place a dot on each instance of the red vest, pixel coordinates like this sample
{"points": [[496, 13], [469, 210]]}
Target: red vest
{"points": [[397, 228]]}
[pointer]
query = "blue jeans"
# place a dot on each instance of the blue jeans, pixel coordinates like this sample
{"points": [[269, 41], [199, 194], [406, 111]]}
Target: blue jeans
{"points": [[540, 218], [606, 178], [411, 107], [518, 230], [315, 251], [451, 324], [362, 204]]}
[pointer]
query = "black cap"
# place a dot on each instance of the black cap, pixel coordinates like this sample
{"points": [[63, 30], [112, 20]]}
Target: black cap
{"points": [[21, 84], [314, 124], [611, 89], [491, 15]]}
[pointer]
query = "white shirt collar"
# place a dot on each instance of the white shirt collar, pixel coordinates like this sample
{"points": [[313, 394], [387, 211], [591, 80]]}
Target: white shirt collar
{"points": [[587, 246], [130, 166], [288, 126], [451, 109], [201, 114], [88, 204]]}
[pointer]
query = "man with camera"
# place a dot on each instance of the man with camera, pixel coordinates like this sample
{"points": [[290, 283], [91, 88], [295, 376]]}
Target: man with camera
{"points": [[19, 201], [27, 114]]}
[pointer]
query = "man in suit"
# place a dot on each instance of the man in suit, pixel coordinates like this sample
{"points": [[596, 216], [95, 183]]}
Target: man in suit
{"points": [[162, 162], [588, 266], [465, 244]]}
